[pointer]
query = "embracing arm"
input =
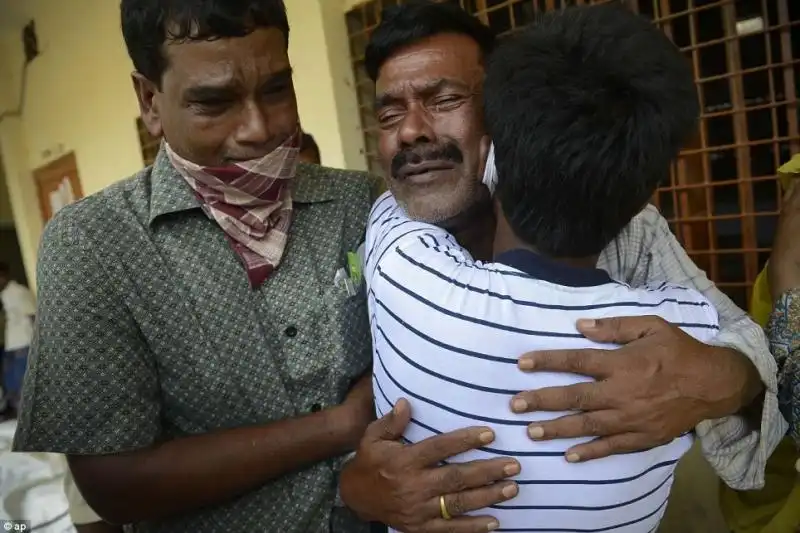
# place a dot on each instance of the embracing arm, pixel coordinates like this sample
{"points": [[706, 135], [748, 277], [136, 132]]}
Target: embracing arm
{"points": [[736, 447], [92, 393], [192, 472]]}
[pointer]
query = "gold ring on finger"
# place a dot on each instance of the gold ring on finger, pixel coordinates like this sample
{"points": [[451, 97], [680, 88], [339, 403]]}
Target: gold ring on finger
{"points": [[443, 508]]}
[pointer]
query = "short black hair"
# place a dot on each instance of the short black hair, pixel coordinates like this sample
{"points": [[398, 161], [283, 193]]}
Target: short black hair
{"points": [[587, 108], [308, 143], [148, 24], [416, 20]]}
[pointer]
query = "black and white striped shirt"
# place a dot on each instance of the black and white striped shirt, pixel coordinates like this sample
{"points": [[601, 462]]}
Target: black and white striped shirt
{"points": [[447, 332]]}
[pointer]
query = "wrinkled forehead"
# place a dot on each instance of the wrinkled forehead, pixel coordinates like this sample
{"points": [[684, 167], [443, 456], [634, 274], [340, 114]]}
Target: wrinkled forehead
{"points": [[452, 59], [253, 57]]}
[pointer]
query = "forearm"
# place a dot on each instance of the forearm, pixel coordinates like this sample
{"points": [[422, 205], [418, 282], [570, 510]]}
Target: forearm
{"points": [[738, 440], [205, 470], [736, 447]]}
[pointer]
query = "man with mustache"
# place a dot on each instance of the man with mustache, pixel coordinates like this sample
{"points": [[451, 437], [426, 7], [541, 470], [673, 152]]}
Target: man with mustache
{"points": [[427, 60], [197, 354]]}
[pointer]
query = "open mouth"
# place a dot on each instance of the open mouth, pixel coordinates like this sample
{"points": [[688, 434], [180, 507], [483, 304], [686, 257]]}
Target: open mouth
{"points": [[422, 171]]}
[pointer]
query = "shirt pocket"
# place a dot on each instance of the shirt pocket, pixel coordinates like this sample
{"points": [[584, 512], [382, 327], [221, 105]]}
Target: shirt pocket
{"points": [[349, 331]]}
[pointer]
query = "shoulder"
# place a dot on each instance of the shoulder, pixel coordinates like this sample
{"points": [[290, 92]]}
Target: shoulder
{"points": [[669, 301], [646, 224], [90, 218], [346, 185]]}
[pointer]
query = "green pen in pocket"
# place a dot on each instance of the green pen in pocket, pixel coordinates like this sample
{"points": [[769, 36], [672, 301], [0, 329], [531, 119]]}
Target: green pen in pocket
{"points": [[354, 267]]}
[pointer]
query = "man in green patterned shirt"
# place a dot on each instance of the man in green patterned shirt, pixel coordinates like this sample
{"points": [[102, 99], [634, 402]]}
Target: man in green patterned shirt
{"points": [[193, 356]]}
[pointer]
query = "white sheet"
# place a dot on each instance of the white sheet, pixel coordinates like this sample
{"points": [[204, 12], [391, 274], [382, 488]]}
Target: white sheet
{"points": [[31, 487]]}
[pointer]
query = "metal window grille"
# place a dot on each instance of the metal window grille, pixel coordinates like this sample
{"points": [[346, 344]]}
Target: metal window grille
{"points": [[722, 199]]}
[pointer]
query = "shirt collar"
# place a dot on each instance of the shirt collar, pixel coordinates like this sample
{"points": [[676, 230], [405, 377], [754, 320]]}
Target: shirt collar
{"points": [[171, 194], [540, 267]]}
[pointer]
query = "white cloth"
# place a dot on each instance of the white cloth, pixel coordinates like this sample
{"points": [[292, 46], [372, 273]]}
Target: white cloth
{"points": [[31, 487], [19, 307], [490, 171], [447, 332]]}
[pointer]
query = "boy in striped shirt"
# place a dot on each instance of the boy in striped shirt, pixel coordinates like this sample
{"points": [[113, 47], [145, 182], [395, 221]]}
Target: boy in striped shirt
{"points": [[586, 110]]}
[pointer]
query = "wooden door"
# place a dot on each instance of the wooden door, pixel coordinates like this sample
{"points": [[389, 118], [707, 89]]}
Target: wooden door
{"points": [[57, 184]]}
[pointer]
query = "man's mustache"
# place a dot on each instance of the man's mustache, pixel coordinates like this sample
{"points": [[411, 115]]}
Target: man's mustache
{"points": [[424, 153]]}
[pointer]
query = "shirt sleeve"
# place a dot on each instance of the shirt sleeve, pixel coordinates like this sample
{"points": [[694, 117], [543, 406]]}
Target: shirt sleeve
{"points": [[783, 331], [91, 385], [396, 245], [648, 252]]}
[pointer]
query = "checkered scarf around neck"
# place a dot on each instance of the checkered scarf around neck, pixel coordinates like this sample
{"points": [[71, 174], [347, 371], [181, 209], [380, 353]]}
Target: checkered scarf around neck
{"points": [[251, 202]]}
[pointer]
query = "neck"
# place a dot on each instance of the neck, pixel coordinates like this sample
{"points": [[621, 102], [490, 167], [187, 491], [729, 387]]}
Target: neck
{"points": [[505, 240], [474, 230]]}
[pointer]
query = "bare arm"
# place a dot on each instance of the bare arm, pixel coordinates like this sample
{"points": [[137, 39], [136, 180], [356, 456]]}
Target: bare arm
{"points": [[192, 472], [738, 442]]}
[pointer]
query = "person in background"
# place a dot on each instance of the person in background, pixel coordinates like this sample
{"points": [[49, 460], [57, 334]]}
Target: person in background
{"points": [[19, 307], [775, 304], [783, 329], [197, 356], [428, 61], [309, 151]]}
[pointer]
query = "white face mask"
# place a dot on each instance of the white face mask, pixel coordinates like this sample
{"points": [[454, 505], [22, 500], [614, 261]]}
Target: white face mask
{"points": [[490, 171]]}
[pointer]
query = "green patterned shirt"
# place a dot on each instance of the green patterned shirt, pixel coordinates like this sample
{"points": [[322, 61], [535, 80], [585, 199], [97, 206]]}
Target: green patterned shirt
{"points": [[147, 329]]}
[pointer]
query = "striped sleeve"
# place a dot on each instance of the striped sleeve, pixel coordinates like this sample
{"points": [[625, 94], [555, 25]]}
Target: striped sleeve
{"points": [[648, 252], [393, 238]]}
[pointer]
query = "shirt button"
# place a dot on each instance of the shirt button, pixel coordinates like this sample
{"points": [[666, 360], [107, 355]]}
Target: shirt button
{"points": [[291, 331], [316, 408]]}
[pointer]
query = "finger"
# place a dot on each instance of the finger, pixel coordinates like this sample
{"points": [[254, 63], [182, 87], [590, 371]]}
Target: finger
{"points": [[590, 424], [460, 503], [456, 478], [606, 446], [464, 524], [390, 426], [434, 450], [620, 330], [580, 397], [588, 362]]}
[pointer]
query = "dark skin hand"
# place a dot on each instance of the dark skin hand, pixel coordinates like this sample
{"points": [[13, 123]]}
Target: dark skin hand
{"points": [[400, 484], [658, 385], [182, 475], [784, 264]]}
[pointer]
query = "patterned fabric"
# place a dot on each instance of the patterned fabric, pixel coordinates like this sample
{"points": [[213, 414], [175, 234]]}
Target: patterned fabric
{"points": [[148, 330], [784, 336], [251, 203], [647, 251], [135, 287]]}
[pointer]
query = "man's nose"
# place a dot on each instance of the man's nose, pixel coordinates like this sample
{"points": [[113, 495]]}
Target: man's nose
{"points": [[416, 127], [253, 126]]}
